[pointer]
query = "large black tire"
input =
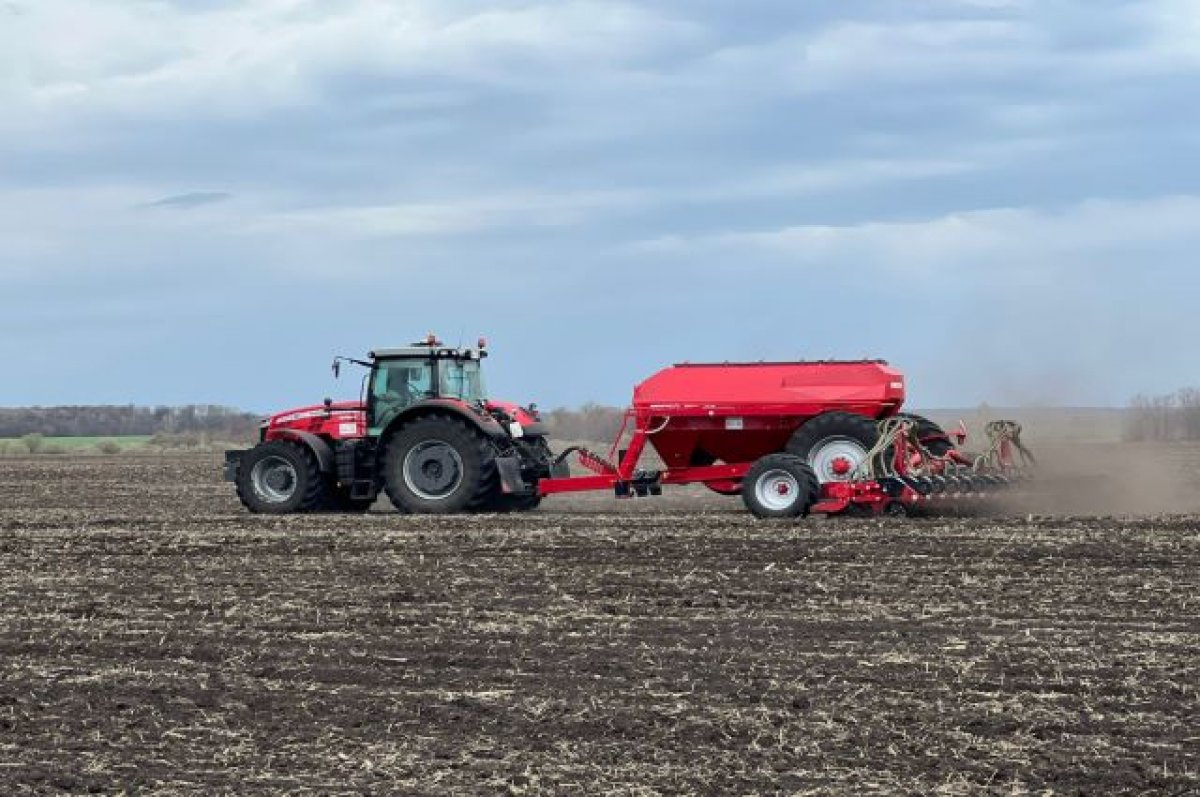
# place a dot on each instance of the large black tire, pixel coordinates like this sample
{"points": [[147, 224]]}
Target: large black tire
{"points": [[927, 429], [436, 465], [822, 440], [281, 478], [780, 486]]}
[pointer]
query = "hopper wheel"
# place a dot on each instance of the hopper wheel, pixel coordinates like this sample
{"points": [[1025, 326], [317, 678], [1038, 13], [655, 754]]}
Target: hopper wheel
{"points": [[835, 445], [932, 436], [779, 486]]}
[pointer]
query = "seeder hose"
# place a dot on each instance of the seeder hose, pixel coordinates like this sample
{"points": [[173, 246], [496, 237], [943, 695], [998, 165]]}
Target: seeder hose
{"points": [[890, 430], [998, 433]]}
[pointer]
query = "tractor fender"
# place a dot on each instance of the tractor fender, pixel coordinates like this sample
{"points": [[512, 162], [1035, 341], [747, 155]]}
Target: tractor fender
{"points": [[321, 449], [484, 423]]}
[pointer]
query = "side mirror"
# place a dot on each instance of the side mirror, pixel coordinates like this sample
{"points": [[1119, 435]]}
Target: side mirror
{"points": [[337, 368]]}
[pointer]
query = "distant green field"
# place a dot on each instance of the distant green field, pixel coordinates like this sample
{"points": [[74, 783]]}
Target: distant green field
{"points": [[69, 443]]}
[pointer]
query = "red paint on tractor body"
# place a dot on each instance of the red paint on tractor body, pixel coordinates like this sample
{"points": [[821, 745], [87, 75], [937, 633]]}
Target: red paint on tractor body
{"points": [[521, 415], [341, 420], [347, 420]]}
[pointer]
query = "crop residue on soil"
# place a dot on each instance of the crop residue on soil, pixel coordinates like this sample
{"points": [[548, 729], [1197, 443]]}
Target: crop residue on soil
{"points": [[154, 637]]}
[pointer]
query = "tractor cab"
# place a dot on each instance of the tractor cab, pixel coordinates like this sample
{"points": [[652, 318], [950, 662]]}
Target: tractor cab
{"points": [[402, 377]]}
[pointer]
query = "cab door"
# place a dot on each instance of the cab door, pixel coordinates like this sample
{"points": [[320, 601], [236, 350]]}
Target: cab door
{"points": [[395, 386]]}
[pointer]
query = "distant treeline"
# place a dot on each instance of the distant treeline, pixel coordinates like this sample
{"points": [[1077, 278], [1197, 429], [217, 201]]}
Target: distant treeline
{"points": [[591, 422], [1150, 418], [111, 421], [1175, 416]]}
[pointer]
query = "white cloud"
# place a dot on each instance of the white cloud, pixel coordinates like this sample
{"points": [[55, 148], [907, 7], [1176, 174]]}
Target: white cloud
{"points": [[520, 211], [1020, 241], [524, 210], [137, 58], [1015, 41], [146, 58], [46, 230], [1174, 27], [435, 140]]}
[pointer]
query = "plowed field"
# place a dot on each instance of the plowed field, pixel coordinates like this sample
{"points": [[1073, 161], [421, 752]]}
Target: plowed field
{"points": [[155, 638]]}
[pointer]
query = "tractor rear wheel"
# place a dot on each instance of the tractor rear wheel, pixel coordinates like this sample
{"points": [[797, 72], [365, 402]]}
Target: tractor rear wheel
{"points": [[834, 444], [280, 478], [436, 465], [780, 486]]}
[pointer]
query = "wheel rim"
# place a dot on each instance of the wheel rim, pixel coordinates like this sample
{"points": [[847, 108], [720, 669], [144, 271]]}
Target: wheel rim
{"points": [[836, 459], [777, 490], [274, 479], [433, 470]]}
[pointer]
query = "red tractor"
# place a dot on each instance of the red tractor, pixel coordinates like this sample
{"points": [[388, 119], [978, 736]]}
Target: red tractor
{"points": [[425, 433], [790, 438]]}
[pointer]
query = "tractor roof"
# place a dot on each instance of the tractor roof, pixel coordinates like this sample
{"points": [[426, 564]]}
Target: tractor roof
{"points": [[427, 352], [432, 348]]}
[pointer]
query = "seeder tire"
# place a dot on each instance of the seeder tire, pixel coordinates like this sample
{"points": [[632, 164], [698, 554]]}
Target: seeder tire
{"points": [[927, 428], [280, 478], [780, 486], [436, 465], [830, 435]]}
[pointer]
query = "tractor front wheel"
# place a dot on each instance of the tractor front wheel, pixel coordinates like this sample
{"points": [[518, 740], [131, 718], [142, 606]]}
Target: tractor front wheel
{"points": [[280, 478], [780, 486]]}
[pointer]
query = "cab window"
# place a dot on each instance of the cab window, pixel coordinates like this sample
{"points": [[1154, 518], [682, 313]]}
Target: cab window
{"points": [[462, 379], [397, 385]]}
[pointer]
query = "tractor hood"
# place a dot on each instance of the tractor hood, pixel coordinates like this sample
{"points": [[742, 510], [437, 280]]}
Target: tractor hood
{"points": [[339, 420], [521, 415]]}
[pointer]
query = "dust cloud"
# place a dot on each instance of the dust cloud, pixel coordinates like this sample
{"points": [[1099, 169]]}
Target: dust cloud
{"points": [[1084, 467], [1077, 478]]}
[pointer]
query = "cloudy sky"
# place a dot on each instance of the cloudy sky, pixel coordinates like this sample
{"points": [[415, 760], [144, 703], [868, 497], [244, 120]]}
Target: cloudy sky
{"points": [[205, 200]]}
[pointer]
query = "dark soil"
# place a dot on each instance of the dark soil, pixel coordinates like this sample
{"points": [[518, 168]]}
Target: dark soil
{"points": [[155, 638]]}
